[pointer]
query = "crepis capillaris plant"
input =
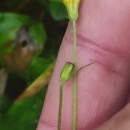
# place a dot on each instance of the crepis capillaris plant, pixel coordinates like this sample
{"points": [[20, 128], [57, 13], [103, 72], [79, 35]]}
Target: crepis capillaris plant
{"points": [[72, 7]]}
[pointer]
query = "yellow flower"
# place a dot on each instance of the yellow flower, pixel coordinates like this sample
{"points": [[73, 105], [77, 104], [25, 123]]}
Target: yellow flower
{"points": [[72, 8]]}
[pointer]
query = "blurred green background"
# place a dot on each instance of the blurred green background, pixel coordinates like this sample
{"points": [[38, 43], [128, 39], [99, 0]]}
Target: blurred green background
{"points": [[31, 32]]}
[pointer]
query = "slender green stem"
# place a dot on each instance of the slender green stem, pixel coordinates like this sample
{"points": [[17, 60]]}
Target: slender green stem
{"points": [[60, 105], [74, 87], [75, 77]]}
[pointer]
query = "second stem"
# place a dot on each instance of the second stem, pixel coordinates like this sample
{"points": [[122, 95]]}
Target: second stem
{"points": [[75, 77]]}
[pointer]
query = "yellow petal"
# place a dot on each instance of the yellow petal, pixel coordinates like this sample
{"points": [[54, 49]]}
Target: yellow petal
{"points": [[72, 8]]}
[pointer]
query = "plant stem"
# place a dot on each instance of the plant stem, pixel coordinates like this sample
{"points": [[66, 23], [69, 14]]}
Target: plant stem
{"points": [[60, 105], [75, 77]]}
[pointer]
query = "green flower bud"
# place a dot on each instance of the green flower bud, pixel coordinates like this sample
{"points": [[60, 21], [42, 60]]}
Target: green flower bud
{"points": [[67, 71]]}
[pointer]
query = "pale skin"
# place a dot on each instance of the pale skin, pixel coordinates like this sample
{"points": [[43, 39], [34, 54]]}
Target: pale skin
{"points": [[103, 37]]}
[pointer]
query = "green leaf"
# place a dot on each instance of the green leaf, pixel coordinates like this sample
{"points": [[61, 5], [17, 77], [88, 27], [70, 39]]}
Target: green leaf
{"points": [[57, 10], [23, 115], [10, 23], [4, 105], [38, 34], [37, 66]]}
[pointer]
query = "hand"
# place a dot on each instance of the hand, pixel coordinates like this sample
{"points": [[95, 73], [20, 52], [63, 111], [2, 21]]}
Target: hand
{"points": [[121, 121], [103, 33]]}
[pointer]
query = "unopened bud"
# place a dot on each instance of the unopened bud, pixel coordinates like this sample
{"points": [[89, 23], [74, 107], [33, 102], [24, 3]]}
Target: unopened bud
{"points": [[67, 71]]}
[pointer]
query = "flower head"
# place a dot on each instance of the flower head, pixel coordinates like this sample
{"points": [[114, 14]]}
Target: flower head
{"points": [[72, 8]]}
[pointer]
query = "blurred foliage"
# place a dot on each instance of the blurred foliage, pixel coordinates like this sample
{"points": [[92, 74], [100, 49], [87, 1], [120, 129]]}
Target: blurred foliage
{"points": [[23, 115], [57, 10], [35, 48]]}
